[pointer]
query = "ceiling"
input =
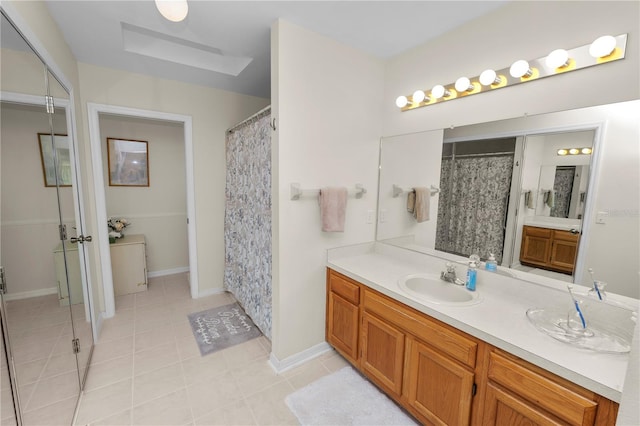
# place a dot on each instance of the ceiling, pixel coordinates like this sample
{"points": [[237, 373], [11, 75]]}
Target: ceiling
{"points": [[219, 37]]}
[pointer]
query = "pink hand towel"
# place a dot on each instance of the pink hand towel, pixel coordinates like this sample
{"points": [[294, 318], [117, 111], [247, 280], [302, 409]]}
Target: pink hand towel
{"points": [[333, 206]]}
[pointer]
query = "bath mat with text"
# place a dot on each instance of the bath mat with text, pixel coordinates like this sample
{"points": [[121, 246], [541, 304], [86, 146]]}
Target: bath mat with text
{"points": [[219, 328]]}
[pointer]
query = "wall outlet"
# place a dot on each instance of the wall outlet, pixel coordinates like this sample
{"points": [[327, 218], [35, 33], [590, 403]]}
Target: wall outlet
{"points": [[383, 216]]}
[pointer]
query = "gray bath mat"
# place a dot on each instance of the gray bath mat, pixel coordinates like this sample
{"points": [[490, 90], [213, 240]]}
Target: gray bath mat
{"points": [[219, 328]]}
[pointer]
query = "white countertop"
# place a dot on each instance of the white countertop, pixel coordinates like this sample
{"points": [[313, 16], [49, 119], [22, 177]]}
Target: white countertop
{"points": [[499, 319]]}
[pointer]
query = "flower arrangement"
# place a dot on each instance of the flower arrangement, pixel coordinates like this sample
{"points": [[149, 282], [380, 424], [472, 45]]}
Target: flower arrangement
{"points": [[116, 227]]}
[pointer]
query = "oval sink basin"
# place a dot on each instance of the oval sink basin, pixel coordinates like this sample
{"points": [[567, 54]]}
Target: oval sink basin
{"points": [[432, 289]]}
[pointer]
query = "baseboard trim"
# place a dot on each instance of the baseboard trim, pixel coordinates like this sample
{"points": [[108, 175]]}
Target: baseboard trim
{"points": [[280, 366], [164, 272], [211, 292], [32, 293]]}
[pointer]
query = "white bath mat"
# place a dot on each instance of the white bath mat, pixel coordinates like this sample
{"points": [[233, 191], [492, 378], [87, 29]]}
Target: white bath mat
{"points": [[345, 398]]}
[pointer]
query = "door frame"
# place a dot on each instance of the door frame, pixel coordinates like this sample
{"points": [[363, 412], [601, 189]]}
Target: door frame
{"points": [[94, 110]]}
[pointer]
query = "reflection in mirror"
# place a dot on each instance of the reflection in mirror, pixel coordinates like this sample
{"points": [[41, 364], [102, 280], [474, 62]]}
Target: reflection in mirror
{"points": [[538, 212]]}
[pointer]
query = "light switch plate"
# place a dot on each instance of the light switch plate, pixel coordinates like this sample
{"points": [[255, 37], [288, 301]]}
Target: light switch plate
{"points": [[601, 217]]}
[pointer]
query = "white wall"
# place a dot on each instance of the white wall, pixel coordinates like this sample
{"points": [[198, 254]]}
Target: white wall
{"points": [[29, 209], [409, 161], [326, 102], [158, 211], [213, 111]]}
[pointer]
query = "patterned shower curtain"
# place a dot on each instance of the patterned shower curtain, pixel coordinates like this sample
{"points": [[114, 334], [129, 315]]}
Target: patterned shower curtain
{"points": [[563, 186], [247, 224], [473, 205]]}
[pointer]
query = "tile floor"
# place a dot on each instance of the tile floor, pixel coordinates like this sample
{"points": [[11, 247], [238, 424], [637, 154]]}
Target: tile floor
{"points": [[147, 369], [46, 368]]}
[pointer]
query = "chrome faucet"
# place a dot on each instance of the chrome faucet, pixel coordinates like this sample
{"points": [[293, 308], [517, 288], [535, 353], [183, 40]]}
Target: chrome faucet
{"points": [[450, 275]]}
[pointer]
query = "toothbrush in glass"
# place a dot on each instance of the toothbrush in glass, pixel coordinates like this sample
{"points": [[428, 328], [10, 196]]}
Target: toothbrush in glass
{"points": [[595, 284], [577, 305]]}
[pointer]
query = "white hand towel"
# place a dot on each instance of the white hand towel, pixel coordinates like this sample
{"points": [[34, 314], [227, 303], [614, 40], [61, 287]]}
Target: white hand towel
{"points": [[333, 206]]}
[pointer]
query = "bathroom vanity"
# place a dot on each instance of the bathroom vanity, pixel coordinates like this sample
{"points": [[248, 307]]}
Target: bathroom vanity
{"points": [[547, 248], [458, 365]]}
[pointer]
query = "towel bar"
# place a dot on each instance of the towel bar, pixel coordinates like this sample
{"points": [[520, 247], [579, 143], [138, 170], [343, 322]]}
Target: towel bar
{"points": [[297, 192], [397, 191]]}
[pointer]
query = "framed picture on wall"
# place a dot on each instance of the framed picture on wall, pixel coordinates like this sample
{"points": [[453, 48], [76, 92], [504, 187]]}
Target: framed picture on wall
{"points": [[60, 144], [128, 162]]}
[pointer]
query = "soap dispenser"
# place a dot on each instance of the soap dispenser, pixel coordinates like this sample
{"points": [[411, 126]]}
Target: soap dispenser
{"points": [[491, 264], [472, 272]]}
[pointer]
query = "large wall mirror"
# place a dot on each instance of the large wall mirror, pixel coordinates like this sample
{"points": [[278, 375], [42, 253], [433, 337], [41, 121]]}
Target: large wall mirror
{"points": [[550, 195]]}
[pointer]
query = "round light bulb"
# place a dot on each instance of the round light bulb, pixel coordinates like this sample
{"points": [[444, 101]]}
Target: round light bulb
{"points": [[463, 84], [173, 10], [489, 77], [574, 151], [562, 152], [401, 101], [587, 151], [520, 69], [438, 91], [418, 96], [558, 58], [602, 46]]}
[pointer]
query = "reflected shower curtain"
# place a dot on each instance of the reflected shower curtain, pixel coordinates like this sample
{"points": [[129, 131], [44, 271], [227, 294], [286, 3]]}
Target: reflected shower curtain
{"points": [[247, 224], [472, 209], [563, 186]]}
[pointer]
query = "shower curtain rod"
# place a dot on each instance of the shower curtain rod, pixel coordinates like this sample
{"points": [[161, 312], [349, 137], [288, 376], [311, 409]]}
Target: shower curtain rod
{"points": [[484, 154], [258, 114]]}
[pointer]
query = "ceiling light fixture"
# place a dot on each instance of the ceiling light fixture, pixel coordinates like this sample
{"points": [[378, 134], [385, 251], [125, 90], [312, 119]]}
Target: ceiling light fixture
{"points": [[562, 152], [575, 151], [173, 10], [586, 151]]}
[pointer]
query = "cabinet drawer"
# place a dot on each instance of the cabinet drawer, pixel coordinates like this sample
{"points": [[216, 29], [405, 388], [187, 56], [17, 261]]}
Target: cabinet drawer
{"points": [[565, 236], [537, 232], [454, 344], [542, 391], [342, 286]]}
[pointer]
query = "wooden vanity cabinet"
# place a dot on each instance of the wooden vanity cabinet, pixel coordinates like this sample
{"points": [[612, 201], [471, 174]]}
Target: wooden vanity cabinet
{"points": [[443, 376], [519, 393], [550, 249]]}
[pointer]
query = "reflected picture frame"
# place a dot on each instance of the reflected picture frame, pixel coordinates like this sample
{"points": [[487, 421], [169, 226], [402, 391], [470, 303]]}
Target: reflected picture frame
{"points": [[48, 161], [128, 162]]}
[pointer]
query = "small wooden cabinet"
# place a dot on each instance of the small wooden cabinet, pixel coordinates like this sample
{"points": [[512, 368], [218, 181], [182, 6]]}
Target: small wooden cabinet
{"points": [[550, 249], [443, 376], [129, 265], [72, 271]]}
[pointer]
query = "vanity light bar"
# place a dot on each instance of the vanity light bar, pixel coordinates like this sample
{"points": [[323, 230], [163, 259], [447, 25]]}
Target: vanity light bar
{"points": [[602, 50], [575, 151]]}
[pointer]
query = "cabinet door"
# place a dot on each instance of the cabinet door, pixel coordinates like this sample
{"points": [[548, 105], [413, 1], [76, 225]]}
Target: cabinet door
{"points": [[382, 353], [438, 388], [536, 246], [563, 251], [342, 326], [128, 264], [503, 408]]}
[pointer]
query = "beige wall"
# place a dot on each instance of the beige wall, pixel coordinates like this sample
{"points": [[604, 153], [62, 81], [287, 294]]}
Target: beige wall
{"points": [[326, 100], [212, 111], [158, 211], [29, 213]]}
